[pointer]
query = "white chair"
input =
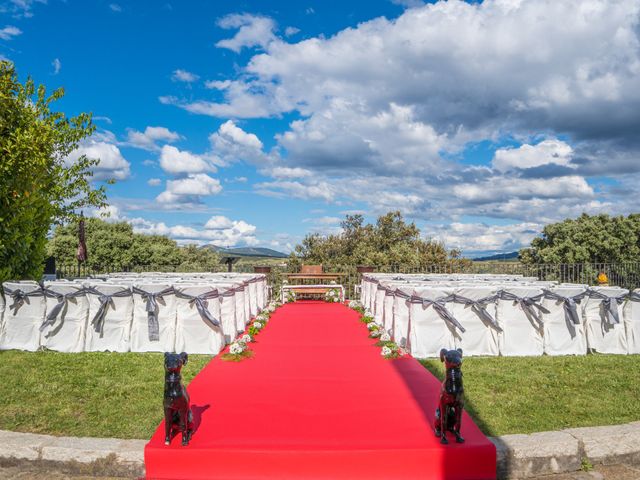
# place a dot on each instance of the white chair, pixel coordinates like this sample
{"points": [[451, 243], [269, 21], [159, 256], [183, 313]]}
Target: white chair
{"points": [[198, 330], [110, 317], [154, 318], [429, 332], [603, 320], [67, 314], [478, 319], [562, 335], [522, 327], [378, 303], [252, 288], [232, 320], [24, 313], [632, 322]]}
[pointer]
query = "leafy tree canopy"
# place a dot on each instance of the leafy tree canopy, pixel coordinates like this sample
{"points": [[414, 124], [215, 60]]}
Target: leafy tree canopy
{"points": [[587, 239], [37, 186], [390, 241], [116, 246]]}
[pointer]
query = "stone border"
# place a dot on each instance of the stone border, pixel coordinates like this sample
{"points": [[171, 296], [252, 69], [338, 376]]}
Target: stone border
{"points": [[527, 456], [518, 456]]}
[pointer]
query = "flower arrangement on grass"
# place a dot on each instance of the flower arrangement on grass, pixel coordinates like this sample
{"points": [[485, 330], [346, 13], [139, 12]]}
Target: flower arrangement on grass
{"points": [[255, 327], [238, 351], [391, 350], [374, 330], [290, 296], [332, 295]]}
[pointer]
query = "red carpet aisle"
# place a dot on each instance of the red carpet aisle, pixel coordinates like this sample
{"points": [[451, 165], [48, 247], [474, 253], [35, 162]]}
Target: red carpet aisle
{"points": [[317, 401]]}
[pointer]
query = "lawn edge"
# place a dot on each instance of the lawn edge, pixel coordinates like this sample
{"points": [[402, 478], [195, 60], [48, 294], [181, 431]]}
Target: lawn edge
{"points": [[518, 456]]}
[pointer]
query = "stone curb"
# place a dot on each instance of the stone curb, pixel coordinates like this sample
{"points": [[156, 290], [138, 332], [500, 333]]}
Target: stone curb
{"points": [[518, 456], [527, 456]]}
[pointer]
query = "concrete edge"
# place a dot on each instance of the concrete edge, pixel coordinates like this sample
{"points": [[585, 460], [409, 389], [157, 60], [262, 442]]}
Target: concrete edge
{"points": [[518, 456], [526, 456]]}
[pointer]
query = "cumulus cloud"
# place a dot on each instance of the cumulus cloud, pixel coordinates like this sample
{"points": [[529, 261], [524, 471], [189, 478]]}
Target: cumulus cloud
{"points": [[253, 31], [8, 32], [219, 230], [112, 164], [547, 152], [175, 161], [188, 191], [232, 143], [184, 76], [149, 139]]}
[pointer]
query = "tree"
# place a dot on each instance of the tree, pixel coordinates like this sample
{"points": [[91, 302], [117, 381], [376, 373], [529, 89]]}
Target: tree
{"points": [[587, 239], [37, 186], [114, 245], [390, 241]]}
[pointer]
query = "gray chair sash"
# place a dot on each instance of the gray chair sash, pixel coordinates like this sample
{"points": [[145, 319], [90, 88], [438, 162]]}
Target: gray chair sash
{"points": [[610, 305], [19, 297], [529, 305], [151, 299], [106, 301], [570, 304], [480, 308], [439, 305], [200, 302], [62, 299]]}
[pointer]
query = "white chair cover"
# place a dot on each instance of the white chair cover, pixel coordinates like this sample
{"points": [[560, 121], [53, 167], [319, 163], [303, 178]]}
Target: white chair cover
{"points": [[401, 312], [378, 304], [252, 288], [193, 333], [632, 322], [481, 335], [603, 335], [521, 332], [142, 328], [231, 318], [428, 331], [114, 333], [66, 332], [22, 323], [562, 336]]}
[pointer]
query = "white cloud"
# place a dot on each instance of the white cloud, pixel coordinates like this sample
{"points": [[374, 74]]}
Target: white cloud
{"points": [[222, 232], [286, 172], [253, 31], [184, 76], [23, 8], [482, 238], [57, 65], [176, 161], [154, 182], [546, 152], [232, 143], [408, 3], [112, 164], [289, 31], [8, 32], [115, 7], [149, 139], [188, 191]]}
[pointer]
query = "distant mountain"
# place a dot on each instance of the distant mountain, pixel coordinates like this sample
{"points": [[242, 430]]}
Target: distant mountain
{"points": [[247, 252], [498, 257]]}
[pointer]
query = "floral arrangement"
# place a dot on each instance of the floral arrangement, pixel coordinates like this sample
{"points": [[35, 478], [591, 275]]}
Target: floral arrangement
{"points": [[246, 338], [374, 330], [238, 351], [357, 306], [391, 351], [367, 319], [332, 295], [255, 328], [290, 296]]}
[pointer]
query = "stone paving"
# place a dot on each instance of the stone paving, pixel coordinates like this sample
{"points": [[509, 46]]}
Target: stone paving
{"points": [[602, 472]]}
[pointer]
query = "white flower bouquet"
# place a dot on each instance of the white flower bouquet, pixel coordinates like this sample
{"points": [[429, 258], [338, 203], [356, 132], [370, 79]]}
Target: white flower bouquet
{"points": [[391, 350], [237, 351], [332, 295], [385, 337], [246, 338]]}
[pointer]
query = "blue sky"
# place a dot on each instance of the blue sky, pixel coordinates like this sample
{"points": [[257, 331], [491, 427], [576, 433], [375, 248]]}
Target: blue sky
{"points": [[254, 123]]}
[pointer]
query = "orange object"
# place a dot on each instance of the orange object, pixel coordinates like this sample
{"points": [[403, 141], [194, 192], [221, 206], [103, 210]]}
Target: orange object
{"points": [[603, 279]]}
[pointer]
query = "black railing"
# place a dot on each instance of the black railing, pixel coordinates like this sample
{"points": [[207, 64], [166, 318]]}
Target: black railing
{"points": [[626, 275]]}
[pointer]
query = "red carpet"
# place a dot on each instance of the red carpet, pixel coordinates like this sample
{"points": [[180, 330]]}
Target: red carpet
{"points": [[317, 401]]}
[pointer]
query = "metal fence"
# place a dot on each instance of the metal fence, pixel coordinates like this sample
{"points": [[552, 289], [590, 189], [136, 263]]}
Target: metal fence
{"points": [[626, 275]]}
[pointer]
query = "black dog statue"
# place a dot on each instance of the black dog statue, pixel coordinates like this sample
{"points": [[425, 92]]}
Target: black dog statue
{"points": [[177, 410], [449, 411]]}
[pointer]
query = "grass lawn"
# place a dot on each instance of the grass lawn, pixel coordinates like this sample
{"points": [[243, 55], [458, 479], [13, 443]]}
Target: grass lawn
{"points": [[534, 394], [120, 395], [85, 394]]}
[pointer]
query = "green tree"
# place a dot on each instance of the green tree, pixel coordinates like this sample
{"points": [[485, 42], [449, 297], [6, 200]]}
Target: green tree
{"points": [[37, 186], [114, 245], [587, 239], [390, 241]]}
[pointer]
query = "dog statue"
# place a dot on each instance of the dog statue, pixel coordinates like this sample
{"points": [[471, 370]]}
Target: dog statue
{"points": [[449, 411], [177, 410]]}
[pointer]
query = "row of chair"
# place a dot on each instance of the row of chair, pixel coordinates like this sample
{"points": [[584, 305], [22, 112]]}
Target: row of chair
{"points": [[503, 315], [130, 313]]}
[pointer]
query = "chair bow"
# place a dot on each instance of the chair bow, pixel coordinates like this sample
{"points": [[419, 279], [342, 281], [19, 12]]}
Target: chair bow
{"points": [[528, 304], [151, 299], [200, 301], [106, 301], [62, 298]]}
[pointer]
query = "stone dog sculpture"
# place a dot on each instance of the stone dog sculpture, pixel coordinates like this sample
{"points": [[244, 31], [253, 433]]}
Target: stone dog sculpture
{"points": [[177, 409], [449, 411]]}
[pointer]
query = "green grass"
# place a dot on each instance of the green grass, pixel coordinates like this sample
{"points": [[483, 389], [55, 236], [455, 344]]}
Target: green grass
{"points": [[120, 395], [534, 394], [85, 394]]}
